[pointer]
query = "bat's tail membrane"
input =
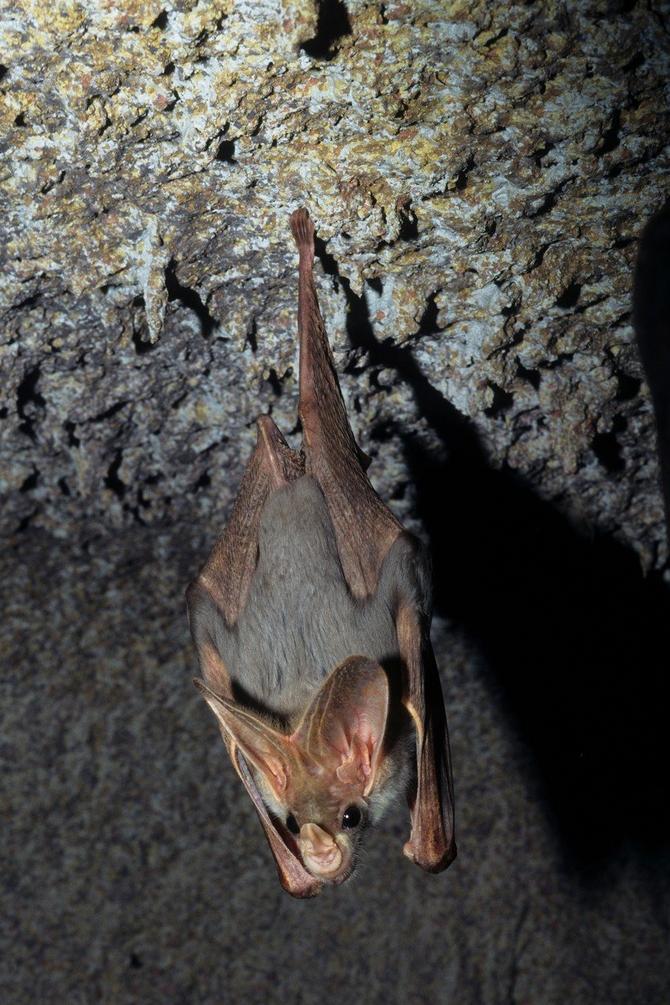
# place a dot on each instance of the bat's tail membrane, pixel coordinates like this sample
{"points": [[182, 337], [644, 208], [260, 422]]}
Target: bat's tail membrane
{"points": [[302, 229]]}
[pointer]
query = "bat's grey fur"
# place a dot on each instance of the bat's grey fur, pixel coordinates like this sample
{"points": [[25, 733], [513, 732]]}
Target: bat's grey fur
{"points": [[300, 619]]}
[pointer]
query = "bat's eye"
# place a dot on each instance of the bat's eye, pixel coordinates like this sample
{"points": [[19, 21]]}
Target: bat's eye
{"points": [[352, 817], [292, 824]]}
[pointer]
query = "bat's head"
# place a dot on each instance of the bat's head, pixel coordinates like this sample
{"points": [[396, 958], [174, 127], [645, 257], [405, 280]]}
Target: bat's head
{"points": [[322, 782]]}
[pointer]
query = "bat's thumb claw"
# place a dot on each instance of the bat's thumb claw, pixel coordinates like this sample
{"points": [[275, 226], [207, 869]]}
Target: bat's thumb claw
{"points": [[408, 851]]}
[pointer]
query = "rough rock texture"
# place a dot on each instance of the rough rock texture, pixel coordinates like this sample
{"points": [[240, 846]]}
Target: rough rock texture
{"points": [[479, 175]]}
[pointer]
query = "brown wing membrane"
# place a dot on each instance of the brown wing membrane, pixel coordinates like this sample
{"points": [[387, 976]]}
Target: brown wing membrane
{"points": [[365, 530], [431, 844], [226, 577]]}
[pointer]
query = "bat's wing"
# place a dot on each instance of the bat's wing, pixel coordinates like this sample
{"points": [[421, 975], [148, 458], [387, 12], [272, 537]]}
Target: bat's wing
{"points": [[220, 592], [365, 531], [227, 576], [364, 528], [432, 843]]}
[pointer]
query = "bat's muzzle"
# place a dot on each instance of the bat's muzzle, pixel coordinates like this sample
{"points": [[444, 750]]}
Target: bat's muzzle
{"points": [[320, 852]]}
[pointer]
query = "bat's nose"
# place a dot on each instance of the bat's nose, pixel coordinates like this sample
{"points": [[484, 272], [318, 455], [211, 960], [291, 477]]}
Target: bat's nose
{"points": [[319, 849]]}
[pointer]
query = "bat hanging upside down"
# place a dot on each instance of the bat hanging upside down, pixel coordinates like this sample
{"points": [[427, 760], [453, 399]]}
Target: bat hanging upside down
{"points": [[311, 620]]}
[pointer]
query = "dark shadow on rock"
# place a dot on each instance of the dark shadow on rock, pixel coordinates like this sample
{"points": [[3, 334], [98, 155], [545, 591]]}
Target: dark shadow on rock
{"points": [[332, 24], [574, 635]]}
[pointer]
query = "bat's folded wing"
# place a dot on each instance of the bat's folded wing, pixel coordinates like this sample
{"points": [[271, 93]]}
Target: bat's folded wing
{"points": [[432, 842], [227, 575]]}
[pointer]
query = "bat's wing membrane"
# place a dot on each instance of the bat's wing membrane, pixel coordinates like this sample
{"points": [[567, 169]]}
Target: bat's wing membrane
{"points": [[432, 843], [227, 575], [364, 528]]}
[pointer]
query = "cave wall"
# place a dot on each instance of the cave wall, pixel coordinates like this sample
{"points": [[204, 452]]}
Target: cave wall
{"points": [[479, 175]]}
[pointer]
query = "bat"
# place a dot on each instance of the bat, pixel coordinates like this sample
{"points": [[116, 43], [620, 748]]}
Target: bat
{"points": [[311, 621]]}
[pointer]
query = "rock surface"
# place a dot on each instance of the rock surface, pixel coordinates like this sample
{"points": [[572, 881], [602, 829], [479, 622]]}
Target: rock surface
{"points": [[479, 178], [479, 175]]}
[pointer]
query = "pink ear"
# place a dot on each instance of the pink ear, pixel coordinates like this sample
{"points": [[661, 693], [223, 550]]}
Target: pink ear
{"points": [[260, 744], [357, 766], [345, 723]]}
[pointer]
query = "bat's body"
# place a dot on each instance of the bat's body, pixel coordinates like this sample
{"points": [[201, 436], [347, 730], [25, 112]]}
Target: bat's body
{"points": [[300, 620], [311, 621]]}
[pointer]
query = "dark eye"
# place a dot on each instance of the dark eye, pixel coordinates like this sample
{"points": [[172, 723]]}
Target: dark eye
{"points": [[292, 824], [351, 817]]}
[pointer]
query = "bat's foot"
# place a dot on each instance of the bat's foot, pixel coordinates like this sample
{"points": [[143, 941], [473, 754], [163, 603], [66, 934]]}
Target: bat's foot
{"points": [[303, 231]]}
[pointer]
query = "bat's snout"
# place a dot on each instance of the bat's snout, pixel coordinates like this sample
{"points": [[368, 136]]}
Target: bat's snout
{"points": [[321, 853]]}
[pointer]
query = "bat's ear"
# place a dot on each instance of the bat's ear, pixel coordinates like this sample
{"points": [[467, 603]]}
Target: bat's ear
{"points": [[344, 725], [261, 745]]}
